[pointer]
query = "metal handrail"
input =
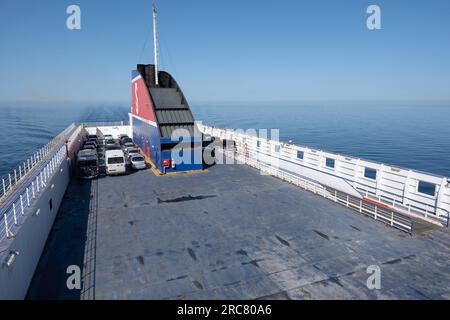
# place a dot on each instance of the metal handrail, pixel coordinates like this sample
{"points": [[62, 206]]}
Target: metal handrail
{"points": [[444, 220], [390, 217], [104, 124], [432, 214], [21, 195], [16, 176]]}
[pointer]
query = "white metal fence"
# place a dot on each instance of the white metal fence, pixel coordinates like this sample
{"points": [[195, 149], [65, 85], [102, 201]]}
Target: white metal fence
{"points": [[16, 176], [392, 187], [390, 217], [104, 124], [21, 190]]}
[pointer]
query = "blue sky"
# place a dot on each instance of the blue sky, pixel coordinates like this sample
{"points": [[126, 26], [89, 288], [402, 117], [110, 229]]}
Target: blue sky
{"points": [[234, 50]]}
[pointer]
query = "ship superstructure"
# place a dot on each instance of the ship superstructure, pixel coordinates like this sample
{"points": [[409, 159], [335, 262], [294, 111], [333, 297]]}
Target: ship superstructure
{"points": [[161, 118]]}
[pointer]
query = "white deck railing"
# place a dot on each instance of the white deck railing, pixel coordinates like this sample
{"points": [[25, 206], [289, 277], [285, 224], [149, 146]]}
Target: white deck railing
{"points": [[394, 187], [21, 192], [104, 124], [16, 176], [390, 217]]}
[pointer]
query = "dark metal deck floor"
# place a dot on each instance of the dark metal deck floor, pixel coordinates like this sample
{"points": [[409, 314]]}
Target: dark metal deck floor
{"points": [[230, 233]]}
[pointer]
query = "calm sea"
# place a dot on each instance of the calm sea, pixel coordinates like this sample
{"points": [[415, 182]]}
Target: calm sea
{"points": [[408, 135]]}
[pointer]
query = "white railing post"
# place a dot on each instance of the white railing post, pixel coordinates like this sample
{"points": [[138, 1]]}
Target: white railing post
{"points": [[347, 201], [15, 176], [392, 218], [335, 195], [8, 233], [37, 183], [14, 214], [32, 190], [360, 206], [375, 216], [21, 204], [4, 186], [28, 197], [28, 163], [10, 181]]}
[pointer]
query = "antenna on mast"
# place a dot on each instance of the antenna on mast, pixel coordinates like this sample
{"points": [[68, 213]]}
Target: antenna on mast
{"points": [[155, 44]]}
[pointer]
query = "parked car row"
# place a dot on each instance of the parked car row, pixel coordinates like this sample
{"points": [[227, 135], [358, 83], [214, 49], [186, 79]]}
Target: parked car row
{"points": [[114, 154]]}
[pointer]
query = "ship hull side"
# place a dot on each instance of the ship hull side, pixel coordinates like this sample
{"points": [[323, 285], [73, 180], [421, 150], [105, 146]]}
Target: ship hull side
{"points": [[31, 239]]}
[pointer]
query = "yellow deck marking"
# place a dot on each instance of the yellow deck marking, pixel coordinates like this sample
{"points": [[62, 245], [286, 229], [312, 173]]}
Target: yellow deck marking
{"points": [[158, 173]]}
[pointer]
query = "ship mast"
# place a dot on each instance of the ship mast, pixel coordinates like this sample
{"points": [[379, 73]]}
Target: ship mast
{"points": [[155, 44]]}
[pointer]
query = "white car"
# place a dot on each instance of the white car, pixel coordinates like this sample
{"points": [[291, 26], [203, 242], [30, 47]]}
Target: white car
{"points": [[138, 162], [115, 162]]}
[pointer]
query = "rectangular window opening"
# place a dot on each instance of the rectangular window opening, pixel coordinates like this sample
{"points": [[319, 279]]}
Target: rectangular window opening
{"points": [[370, 173], [427, 188], [330, 163]]}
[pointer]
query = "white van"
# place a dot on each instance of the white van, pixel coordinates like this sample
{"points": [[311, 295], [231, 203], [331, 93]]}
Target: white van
{"points": [[115, 162]]}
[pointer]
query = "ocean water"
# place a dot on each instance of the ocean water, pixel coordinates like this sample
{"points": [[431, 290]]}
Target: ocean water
{"points": [[415, 136], [27, 127]]}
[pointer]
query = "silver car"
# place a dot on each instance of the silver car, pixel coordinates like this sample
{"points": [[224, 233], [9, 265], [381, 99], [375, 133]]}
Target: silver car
{"points": [[137, 162], [131, 151]]}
